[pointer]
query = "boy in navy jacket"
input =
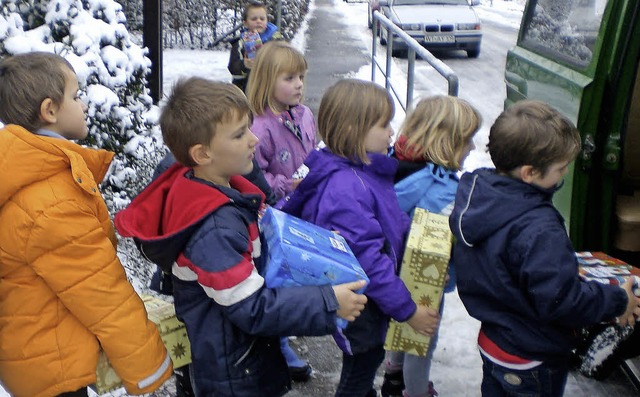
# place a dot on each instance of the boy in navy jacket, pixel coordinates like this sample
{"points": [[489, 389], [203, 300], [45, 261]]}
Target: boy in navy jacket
{"points": [[517, 270], [199, 219]]}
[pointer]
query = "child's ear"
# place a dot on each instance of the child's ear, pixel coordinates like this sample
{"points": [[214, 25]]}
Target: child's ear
{"points": [[199, 154], [48, 111], [527, 173]]}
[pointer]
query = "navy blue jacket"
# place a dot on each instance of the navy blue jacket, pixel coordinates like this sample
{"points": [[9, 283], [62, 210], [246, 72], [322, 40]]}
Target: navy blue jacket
{"points": [[517, 270], [209, 235]]}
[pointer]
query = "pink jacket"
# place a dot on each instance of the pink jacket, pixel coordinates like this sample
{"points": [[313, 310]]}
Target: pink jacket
{"points": [[281, 151]]}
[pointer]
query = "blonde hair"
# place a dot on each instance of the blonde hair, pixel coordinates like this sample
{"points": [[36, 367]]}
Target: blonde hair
{"points": [[348, 110], [272, 60], [193, 112], [439, 129]]}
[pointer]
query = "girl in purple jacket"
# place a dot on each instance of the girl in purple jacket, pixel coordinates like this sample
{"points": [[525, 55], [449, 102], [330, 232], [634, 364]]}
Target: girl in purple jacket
{"points": [[285, 127], [349, 189]]}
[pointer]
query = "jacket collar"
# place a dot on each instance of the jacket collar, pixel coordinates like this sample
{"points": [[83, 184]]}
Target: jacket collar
{"points": [[28, 158]]}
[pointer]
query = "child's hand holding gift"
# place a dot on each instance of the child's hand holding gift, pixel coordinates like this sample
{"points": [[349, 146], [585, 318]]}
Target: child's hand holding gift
{"points": [[424, 321], [351, 303], [633, 305]]}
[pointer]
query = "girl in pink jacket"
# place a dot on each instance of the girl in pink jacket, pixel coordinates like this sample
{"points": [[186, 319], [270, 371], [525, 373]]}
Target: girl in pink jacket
{"points": [[285, 127]]}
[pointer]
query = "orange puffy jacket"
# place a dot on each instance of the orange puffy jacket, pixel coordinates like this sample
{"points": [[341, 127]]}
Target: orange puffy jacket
{"points": [[63, 292]]}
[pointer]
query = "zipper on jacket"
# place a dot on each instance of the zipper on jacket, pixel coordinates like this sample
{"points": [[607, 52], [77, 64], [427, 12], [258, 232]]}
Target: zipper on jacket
{"points": [[244, 356]]}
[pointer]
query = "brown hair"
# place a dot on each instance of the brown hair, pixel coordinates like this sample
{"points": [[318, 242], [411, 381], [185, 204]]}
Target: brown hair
{"points": [[25, 81], [251, 4], [193, 111], [439, 128], [532, 133], [273, 59], [348, 110]]}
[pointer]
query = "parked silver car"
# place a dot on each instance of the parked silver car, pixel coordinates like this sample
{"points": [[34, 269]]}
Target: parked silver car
{"points": [[436, 24]]}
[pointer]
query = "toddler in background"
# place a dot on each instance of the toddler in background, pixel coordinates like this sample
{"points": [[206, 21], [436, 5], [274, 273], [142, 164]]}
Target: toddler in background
{"points": [[285, 127], [433, 143], [349, 189], [256, 32]]}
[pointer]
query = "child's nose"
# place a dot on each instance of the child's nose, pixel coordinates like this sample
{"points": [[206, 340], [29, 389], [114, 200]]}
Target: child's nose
{"points": [[253, 139]]}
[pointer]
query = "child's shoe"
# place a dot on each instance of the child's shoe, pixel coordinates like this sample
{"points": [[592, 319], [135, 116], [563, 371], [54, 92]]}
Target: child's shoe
{"points": [[430, 393], [299, 370], [393, 385]]}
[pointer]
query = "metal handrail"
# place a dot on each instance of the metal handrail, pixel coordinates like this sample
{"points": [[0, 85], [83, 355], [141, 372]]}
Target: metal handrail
{"points": [[225, 35], [413, 48]]}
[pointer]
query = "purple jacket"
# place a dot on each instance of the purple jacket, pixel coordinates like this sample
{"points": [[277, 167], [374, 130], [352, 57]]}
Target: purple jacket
{"points": [[359, 201], [280, 151]]}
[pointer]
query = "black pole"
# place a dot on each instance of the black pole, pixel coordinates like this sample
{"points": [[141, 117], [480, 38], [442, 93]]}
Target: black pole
{"points": [[152, 39]]}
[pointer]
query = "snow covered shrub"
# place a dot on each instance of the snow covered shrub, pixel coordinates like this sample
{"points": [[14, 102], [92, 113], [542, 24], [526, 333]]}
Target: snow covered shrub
{"points": [[201, 23], [293, 13]]}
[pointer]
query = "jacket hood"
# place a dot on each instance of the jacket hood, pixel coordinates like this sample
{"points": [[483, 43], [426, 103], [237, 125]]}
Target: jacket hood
{"points": [[162, 218], [27, 158], [329, 164], [268, 32], [486, 201]]}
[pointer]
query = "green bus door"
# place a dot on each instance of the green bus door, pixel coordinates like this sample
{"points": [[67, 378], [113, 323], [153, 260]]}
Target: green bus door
{"points": [[581, 56]]}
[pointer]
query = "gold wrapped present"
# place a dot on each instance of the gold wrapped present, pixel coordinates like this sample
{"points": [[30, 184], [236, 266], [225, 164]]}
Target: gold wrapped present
{"points": [[424, 271], [172, 332]]}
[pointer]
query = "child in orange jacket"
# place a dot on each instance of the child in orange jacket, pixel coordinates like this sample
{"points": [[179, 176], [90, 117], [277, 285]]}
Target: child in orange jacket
{"points": [[64, 293]]}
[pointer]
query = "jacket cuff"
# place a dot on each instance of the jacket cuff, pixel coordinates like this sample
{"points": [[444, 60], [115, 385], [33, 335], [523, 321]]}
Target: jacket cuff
{"points": [[621, 301], [329, 298], [405, 315]]}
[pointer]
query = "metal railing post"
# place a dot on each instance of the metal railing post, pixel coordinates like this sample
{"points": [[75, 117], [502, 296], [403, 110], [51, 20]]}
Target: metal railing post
{"points": [[374, 34], [411, 56], [414, 50]]}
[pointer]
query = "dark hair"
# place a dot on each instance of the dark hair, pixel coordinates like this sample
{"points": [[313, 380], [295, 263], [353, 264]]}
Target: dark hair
{"points": [[251, 4], [532, 133], [193, 111], [25, 81]]}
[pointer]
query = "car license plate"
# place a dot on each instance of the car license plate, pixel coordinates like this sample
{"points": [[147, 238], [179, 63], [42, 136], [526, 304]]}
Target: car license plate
{"points": [[447, 38]]}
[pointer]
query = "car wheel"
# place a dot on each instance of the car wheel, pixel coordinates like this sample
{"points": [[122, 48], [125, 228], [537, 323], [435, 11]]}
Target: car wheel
{"points": [[401, 53], [474, 53]]}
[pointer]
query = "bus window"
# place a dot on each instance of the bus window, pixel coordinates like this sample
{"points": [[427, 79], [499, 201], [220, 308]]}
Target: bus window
{"points": [[566, 29]]}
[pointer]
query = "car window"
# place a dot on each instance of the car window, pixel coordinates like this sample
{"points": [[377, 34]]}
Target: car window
{"points": [[568, 28], [423, 2]]}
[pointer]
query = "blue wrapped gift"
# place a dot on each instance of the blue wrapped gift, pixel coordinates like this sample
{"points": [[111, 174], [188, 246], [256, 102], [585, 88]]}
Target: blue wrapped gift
{"points": [[300, 253]]}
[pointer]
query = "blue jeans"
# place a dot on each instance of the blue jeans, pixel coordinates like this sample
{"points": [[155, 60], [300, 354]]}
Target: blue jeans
{"points": [[541, 381], [358, 372]]}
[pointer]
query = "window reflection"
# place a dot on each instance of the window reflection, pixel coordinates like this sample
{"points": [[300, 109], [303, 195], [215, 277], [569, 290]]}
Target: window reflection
{"points": [[566, 27]]}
